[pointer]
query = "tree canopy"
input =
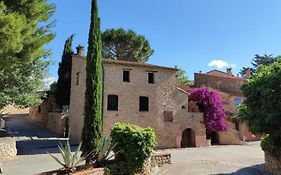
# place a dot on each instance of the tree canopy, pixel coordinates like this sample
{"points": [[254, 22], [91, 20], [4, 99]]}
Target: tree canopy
{"points": [[211, 105], [64, 74], [182, 79], [125, 45], [259, 60], [93, 120], [24, 32], [261, 107]]}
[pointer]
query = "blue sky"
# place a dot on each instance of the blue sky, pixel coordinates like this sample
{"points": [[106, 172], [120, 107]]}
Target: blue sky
{"points": [[188, 33]]}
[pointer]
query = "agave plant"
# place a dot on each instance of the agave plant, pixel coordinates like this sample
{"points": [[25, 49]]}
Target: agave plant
{"points": [[104, 149], [69, 160]]}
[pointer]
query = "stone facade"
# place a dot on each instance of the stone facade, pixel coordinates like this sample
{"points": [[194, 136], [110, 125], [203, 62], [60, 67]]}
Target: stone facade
{"points": [[48, 116], [8, 150], [161, 159], [228, 86], [164, 98]]}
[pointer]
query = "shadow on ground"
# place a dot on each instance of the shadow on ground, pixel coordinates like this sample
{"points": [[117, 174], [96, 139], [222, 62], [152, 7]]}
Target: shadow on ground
{"points": [[31, 139], [251, 170]]}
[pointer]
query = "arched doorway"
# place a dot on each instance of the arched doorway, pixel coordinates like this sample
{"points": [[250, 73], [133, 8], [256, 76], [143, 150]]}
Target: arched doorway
{"points": [[188, 138], [213, 136]]}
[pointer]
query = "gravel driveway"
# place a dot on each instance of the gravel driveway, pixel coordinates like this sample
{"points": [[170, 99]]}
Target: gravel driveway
{"points": [[237, 160]]}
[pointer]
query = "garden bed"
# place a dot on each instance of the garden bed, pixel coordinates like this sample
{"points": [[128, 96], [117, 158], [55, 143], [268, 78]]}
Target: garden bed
{"points": [[93, 171]]}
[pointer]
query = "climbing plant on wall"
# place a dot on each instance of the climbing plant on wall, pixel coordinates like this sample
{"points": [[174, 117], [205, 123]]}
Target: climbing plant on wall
{"points": [[211, 105]]}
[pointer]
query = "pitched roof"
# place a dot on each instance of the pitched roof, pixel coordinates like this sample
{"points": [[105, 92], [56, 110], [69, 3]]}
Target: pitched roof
{"points": [[132, 63]]}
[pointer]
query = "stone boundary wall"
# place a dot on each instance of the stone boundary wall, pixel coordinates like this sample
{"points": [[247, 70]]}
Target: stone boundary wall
{"points": [[8, 150], [161, 159], [273, 164]]}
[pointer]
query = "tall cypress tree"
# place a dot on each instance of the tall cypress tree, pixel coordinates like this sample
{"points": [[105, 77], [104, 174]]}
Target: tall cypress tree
{"points": [[64, 74], [93, 119]]}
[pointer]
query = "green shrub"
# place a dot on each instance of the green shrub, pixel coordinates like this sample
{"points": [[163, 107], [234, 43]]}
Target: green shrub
{"points": [[272, 145], [135, 145]]}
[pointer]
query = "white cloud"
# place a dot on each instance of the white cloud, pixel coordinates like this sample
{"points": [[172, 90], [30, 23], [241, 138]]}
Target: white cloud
{"points": [[48, 81], [220, 64]]}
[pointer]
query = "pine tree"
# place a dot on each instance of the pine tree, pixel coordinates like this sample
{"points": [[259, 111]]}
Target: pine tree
{"points": [[93, 119], [64, 74], [24, 33]]}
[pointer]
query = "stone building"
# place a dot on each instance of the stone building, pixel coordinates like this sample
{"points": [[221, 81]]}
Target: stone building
{"points": [[48, 115], [228, 86], [142, 94]]}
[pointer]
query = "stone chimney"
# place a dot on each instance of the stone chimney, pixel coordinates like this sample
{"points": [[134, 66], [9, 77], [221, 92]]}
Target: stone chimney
{"points": [[80, 50], [229, 72], [248, 73]]}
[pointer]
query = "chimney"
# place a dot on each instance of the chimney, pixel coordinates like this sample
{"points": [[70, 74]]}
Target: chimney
{"points": [[80, 50], [229, 72], [248, 73]]}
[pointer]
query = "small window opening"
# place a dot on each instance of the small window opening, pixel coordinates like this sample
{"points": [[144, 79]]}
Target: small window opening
{"points": [[77, 78], [151, 78], [143, 104], [168, 116], [112, 103], [126, 76]]}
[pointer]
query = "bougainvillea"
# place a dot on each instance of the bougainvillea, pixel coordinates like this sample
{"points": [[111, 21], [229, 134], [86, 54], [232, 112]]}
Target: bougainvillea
{"points": [[211, 105]]}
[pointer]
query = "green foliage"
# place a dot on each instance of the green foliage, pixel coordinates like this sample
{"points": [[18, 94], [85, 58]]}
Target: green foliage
{"points": [[69, 160], [24, 32], [125, 45], [93, 120], [261, 107], [181, 77], [135, 145], [265, 60], [53, 87], [272, 145], [105, 147], [64, 74]]}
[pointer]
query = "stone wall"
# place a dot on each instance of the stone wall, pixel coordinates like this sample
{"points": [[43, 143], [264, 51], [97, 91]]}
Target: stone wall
{"points": [[8, 150], [160, 159], [48, 116], [226, 84], [57, 122], [164, 96], [231, 136], [273, 164]]}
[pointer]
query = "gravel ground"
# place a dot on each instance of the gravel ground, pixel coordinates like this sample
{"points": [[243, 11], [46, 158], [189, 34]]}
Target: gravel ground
{"points": [[237, 160]]}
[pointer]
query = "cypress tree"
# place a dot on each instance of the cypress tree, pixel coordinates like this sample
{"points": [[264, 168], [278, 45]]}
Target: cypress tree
{"points": [[93, 119], [64, 74]]}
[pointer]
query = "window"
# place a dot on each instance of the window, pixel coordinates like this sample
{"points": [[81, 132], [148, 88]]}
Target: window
{"points": [[143, 105], [126, 76], [151, 78], [77, 78], [168, 116], [237, 126], [183, 107], [237, 101], [112, 103], [39, 109]]}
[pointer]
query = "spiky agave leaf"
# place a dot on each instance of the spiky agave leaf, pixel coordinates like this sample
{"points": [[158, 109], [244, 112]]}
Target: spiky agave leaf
{"points": [[69, 160]]}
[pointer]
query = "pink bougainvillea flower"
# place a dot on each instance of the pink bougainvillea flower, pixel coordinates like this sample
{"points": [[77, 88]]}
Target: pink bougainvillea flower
{"points": [[211, 105]]}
